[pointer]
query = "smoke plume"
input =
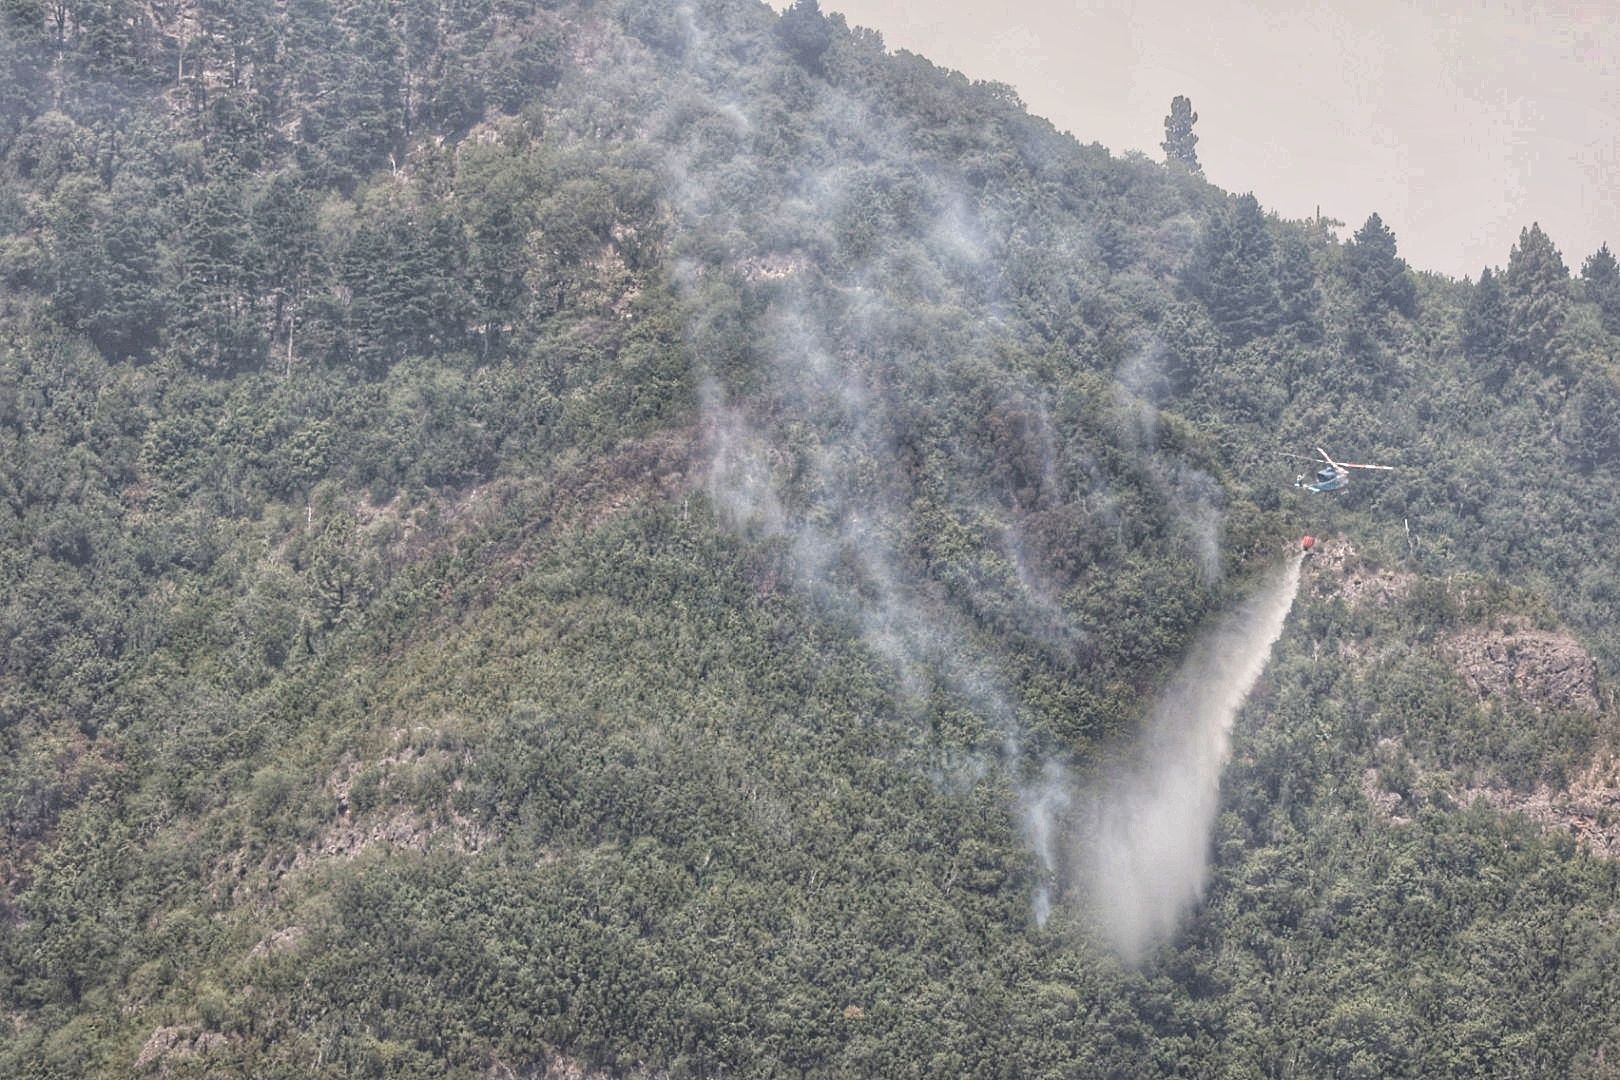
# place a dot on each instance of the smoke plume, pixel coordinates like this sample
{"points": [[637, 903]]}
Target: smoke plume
{"points": [[869, 295]]}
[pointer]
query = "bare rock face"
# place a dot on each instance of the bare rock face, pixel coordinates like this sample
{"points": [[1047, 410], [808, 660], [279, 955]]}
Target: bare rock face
{"points": [[773, 266], [1336, 568], [1589, 809], [169, 1046], [1594, 813], [559, 1066], [282, 941], [1545, 668], [1383, 800], [1506, 659]]}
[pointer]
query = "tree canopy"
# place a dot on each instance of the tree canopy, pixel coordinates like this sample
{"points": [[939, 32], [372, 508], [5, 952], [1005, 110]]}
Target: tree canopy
{"points": [[1381, 279], [1536, 288], [1180, 144], [565, 537]]}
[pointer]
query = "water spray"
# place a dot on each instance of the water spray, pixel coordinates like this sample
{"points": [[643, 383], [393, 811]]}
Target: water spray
{"points": [[1145, 860]]}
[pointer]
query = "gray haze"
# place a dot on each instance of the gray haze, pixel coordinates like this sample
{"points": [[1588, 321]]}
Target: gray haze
{"points": [[1146, 859], [1459, 123], [807, 457], [804, 450]]}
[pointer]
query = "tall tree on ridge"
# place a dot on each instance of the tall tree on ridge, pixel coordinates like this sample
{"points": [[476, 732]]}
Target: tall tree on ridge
{"points": [[1381, 278], [1299, 299], [1180, 144], [1601, 275], [804, 30], [1537, 287], [1484, 320]]}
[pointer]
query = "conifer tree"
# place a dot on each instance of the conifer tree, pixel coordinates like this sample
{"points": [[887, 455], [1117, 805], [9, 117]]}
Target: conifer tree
{"points": [[1179, 141], [1237, 268], [1537, 288], [284, 226], [804, 31], [1380, 277], [1601, 276], [1593, 418], [216, 297], [1299, 297], [1484, 321]]}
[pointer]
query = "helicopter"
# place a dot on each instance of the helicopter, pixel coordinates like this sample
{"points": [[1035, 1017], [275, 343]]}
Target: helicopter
{"points": [[1334, 475]]}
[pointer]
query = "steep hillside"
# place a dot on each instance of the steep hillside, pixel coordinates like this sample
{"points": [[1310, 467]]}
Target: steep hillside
{"points": [[561, 535]]}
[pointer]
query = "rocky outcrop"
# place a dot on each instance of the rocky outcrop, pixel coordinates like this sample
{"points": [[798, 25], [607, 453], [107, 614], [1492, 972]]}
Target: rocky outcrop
{"points": [[1544, 668], [1337, 569], [1589, 809], [773, 266], [560, 1066], [1385, 801], [168, 1046], [1503, 659], [285, 940]]}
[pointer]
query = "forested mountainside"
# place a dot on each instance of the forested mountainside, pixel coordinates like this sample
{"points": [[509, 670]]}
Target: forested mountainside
{"points": [[573, 537]]}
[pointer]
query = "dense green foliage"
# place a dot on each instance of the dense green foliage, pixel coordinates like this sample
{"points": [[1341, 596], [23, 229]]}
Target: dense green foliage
{"points": [[1180, 144], [560, 528]]}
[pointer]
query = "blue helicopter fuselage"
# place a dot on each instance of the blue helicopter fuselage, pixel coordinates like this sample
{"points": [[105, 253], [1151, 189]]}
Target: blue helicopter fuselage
{"points": [[1327, 479]]}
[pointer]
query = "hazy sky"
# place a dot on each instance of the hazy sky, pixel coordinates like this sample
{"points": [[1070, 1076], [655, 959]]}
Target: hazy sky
{"points": [[1458, 123]]}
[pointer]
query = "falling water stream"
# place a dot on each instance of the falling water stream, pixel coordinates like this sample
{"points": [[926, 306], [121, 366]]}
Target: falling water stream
{"points": [[1146, 858]]}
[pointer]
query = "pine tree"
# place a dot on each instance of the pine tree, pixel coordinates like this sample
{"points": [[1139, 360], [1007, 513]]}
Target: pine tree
{"points": [[284, 227], [217, 295], [105, 264], [1537, 288], [1299, 298], [1484, 321], [1381, 279], [1592, 437], [1113, 244], [404, 272], [1179, 141], [803, 29], [1236, 276], [1601, 277], [130, 321], [24, 55], [370, 91]]}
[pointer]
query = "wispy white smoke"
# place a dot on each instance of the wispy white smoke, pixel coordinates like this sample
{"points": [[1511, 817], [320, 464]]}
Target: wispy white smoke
{"points": [[1146, 860], [807, 453], [1139, 387], [1042, 807], [740, 466], [811, 447]]}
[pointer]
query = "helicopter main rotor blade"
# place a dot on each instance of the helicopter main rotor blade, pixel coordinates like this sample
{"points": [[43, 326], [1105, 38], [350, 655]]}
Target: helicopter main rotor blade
{"points": [[1325, 457], [1353, 465]]}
